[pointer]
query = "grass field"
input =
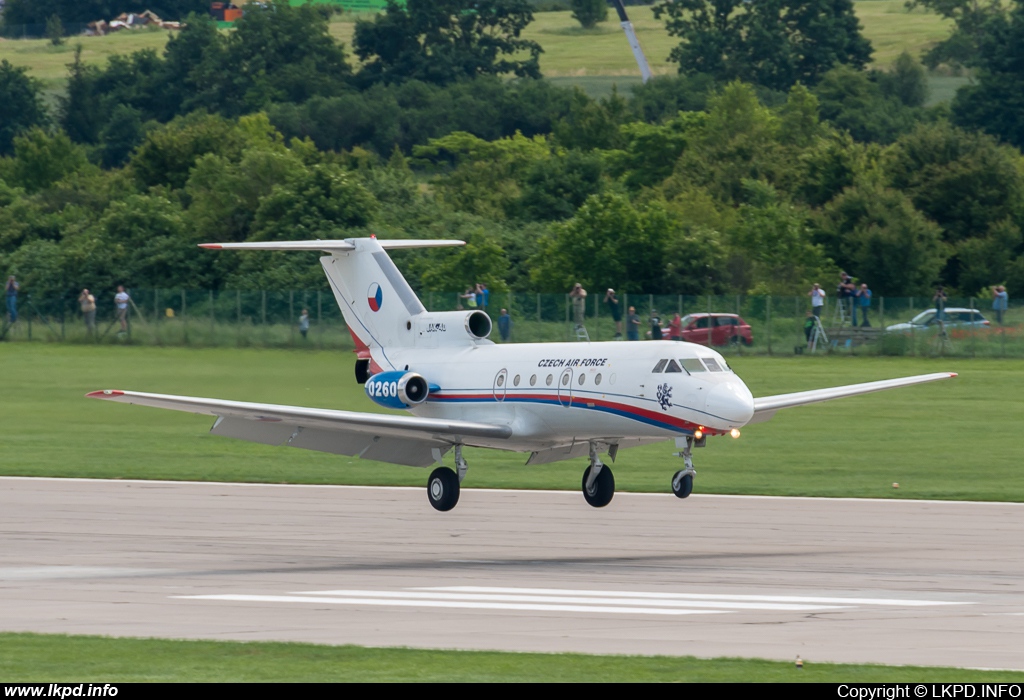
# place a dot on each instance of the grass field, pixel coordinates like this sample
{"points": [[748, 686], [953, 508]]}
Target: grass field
{"points": [[569, 50], [81, 659], [950, 440]]}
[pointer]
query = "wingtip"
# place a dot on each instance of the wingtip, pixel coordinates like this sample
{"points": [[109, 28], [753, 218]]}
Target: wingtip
{"points": [[105, 394], [952, 374], [211, 246]]}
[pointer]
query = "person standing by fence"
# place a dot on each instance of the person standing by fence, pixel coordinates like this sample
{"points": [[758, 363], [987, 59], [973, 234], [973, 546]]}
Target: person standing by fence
{"points": [[817, 295], [863, 300], [11, 290], [121, 300], [88, 304], [578, 295], [1000, 302]]}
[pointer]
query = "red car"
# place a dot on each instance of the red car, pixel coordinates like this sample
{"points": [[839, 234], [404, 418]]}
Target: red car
{"points": [[725, 329]]}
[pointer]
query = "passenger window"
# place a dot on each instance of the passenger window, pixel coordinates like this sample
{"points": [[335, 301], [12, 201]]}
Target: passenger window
{"points": [[565, 379], [597, 379], [501, 380], [673, 366], [515, 382], [660, 367], [712, 364], [533, 379], [550, 379], [692, 365], [583, 378]]}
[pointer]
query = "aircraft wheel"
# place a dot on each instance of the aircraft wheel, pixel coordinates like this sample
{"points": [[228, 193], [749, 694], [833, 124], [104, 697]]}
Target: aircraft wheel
{"points": [[600, 494], [682, 484], [443, 488]]}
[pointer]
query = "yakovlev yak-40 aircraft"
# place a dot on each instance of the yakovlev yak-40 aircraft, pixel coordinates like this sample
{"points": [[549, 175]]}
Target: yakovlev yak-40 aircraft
{"points": [[554, 400]]}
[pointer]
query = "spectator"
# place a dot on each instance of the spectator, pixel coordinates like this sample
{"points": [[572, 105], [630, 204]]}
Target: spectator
{"points": [[11, 289], [863, 300], [578, 295], [675, 328], [845, 292], [483, 297], [632, 324], [304, 323], [817, 295], [470, 296], [87, 302], [809, 324], [1000, 302], [939, 301], [612, 300], [505, 325], [121, 300], [655, 326]]}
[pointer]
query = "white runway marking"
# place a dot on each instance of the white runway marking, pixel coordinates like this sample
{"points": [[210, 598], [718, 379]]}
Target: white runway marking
{"points": [[705, 596], [573, 601]]}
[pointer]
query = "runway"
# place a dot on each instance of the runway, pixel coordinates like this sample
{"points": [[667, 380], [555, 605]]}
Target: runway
{"points": [[894, 582]]}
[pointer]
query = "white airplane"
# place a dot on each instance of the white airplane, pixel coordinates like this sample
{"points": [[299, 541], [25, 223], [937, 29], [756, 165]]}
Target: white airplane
{"points": [[554, 400]]}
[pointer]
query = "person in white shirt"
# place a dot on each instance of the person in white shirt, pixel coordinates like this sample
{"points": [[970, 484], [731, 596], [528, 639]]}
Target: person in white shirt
{"points": [[121, 300], [817, 295]]}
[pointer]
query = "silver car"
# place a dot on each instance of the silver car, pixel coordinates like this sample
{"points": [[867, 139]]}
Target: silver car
{"points": [[954, 317]]}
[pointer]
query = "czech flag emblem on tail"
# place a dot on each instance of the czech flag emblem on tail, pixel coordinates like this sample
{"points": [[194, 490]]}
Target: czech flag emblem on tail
{"points": [[375, 296]]}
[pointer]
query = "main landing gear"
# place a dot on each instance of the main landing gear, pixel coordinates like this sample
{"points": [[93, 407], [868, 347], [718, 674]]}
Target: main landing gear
{"points": [[682, 481], [598, 481], [443, 485]]}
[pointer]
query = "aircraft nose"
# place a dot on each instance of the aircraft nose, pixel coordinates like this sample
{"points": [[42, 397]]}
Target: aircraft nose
{"points": [[731, 401]]}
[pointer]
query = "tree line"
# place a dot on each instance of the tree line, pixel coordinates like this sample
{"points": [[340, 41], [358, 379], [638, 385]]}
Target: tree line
{"points": [[775, 164]]}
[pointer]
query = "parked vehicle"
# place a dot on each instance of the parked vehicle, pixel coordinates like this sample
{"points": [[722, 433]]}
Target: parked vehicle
{"points": [[724, 329], [953, 318]]}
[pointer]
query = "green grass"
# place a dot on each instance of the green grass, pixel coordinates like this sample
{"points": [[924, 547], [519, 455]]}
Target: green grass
{"points": [[82, 659], [569, 50], [949, 440]]}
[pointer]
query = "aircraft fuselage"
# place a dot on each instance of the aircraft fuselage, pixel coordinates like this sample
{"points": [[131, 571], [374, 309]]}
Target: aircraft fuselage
{"points": [[553, 392]]}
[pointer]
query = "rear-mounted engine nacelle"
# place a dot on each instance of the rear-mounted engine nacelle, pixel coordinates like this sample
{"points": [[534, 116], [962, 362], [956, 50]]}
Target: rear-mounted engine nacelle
{"points": [[397, 389]]}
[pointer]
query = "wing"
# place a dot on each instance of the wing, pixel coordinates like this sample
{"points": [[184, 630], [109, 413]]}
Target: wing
{"points": [[417, 442], [329, 246], [765, 407]]}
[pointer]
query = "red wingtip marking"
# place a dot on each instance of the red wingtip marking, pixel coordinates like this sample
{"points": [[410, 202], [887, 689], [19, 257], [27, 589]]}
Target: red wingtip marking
{"points": [[952, 374], [105, 394], [211, 246]]}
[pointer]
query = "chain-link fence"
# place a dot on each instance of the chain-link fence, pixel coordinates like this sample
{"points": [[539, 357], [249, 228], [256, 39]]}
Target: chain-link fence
{"points": [[734, 324]]}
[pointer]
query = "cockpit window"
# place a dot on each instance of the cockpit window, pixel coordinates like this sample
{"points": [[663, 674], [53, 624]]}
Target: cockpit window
{"points": [[673, 366], [692, 364], [660, 367], [712, 364]]}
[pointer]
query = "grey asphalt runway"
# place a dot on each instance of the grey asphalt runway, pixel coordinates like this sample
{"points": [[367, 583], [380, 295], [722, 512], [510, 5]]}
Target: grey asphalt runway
{"points": [[895, 582]]}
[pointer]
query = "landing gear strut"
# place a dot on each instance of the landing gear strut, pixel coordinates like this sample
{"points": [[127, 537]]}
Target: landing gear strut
{"points": [[682, 481], [598, 481], [443, 485]]}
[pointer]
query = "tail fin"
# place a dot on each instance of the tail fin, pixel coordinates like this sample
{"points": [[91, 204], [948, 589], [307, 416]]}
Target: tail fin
{"points": [[377, 302]]}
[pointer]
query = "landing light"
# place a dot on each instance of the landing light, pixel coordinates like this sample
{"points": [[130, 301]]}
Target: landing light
{"points": [[698, 433], [734, 432]]}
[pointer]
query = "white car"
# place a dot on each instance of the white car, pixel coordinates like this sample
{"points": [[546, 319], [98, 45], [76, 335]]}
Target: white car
{"points": [[955, 317]]}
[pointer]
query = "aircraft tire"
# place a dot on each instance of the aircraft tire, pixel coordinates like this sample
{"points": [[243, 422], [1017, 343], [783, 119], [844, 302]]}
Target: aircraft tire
{"points": [[443, 489], [604, 487], [685, 487]]}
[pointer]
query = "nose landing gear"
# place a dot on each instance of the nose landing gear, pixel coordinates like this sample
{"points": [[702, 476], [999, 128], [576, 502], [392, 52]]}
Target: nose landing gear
{"points": [[682, 481]]}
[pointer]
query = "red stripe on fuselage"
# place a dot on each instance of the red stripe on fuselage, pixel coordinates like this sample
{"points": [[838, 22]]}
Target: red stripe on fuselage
{"points": [[585, 402]]}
